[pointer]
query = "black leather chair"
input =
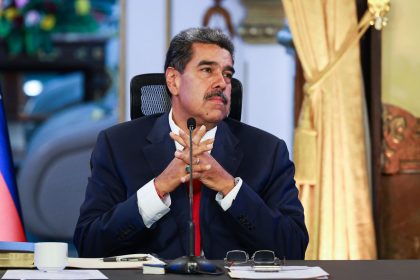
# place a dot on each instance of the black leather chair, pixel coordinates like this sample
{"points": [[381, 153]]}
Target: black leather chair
{"points": [[149, 95]]}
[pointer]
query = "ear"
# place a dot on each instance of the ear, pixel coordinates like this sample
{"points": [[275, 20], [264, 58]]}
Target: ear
{"points": [[172, 80]]}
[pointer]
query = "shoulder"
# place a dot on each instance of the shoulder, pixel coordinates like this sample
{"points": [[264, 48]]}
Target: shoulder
{"points": [[259, 145], [137, 126], [130, 133], [126, 137]]}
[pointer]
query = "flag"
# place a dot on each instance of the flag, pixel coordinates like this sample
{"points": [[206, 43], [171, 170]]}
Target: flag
{"points": [[11, 228]]}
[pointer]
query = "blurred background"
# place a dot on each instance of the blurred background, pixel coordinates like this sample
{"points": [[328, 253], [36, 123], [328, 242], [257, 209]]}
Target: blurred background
{"points": [[65, 71]]}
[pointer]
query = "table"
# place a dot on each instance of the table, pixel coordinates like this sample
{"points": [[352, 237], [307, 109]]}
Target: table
{"points": [[339, 270]]}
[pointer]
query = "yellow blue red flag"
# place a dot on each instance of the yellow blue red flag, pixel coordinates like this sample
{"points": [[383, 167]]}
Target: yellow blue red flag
{"points": [[11, 228]]}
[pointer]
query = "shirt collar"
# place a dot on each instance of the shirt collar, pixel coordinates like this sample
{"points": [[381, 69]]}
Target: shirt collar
{"points": [[175, 129]]}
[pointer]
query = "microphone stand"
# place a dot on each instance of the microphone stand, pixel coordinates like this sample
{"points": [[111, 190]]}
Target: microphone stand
{"points": [[192, 264], [191, 126]]}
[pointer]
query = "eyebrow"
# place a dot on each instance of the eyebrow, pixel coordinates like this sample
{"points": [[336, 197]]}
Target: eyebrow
{"points": [[213, 63]]}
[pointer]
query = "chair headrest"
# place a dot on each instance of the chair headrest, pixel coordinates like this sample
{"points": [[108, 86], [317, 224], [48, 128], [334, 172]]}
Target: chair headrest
{"points": [[150, 95]]}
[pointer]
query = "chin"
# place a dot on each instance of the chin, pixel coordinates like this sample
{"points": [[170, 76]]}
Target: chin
{"points": [[215, 115], [216, 119]]}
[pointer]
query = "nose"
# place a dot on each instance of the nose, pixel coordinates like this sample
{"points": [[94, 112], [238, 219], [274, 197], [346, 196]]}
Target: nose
{"points": [[220, 81]]}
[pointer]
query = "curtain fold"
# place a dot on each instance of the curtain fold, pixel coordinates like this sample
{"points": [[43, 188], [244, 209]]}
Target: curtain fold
{"points": [[330, 149]]}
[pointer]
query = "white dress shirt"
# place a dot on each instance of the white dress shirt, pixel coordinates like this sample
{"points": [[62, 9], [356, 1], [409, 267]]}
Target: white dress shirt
{"points": [[152, 208]]}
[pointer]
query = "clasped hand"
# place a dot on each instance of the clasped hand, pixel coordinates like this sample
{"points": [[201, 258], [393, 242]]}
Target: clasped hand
{"points": [[205, 167]]}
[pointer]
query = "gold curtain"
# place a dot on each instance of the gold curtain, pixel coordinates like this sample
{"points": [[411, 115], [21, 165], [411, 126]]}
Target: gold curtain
{"points": [[330, 149]]}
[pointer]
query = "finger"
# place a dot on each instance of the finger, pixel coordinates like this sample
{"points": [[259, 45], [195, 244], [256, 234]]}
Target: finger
{"points": [[178, 139], [204, 146], [207, 142], [198, 135], [201, 149], [195, 160], [197, 165], [185, 137], [186, 158], [201, 168], [182, 156], [197, 151], [186, 178]]}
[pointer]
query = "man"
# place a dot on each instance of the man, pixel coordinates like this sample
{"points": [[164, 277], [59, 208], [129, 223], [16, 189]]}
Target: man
{"points": [[136, 198]]}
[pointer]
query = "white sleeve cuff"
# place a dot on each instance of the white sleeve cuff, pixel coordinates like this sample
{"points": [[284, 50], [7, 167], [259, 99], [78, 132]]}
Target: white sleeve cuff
{"points": [[151, 207], [226, 202]]}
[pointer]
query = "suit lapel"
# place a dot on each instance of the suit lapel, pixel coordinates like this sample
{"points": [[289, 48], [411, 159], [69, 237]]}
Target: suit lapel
{"points": [[226, 150], [161, 149]]}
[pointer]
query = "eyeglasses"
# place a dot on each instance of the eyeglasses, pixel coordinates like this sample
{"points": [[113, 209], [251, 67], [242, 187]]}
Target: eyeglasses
{"points": [[260, 257]]}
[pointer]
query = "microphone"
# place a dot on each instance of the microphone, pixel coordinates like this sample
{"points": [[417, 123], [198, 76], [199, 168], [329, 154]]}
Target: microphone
{"points": [[191, 124], [192, 264]]}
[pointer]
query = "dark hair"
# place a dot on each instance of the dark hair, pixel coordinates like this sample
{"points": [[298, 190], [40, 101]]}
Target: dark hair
{"points": [[180, 49]]}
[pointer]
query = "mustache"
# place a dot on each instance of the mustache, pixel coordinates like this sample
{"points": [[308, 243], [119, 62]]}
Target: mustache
{"points": [[217, 93]]}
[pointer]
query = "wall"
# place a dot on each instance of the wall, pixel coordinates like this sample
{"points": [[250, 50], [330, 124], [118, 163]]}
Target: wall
{"points": [[266, 71], [397, 196], [401, 57]]}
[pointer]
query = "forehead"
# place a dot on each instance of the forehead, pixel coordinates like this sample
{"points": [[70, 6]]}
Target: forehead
{"points": [[210, 52]]}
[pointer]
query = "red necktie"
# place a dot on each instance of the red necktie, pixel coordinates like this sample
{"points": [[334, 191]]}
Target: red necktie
{"points": [[196, 215]]}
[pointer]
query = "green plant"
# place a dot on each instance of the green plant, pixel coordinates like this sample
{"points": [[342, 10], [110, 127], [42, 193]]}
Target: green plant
{"points": [[27, 26]]}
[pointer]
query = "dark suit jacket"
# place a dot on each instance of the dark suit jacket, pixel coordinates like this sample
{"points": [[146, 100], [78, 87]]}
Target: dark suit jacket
{"points": [[266, 213]]}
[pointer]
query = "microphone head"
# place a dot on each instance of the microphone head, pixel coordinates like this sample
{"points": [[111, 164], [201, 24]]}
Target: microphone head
{"points": [[191, 123]]}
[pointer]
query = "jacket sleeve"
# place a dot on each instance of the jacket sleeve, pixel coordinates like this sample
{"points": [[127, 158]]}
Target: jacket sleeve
{"points": [[108, 219], [273, 218]]}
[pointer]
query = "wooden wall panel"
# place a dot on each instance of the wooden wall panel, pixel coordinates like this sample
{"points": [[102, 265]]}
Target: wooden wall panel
{"points": [[400, 190]]}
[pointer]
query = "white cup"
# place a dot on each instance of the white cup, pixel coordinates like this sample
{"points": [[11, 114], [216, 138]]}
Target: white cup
{"points": [[51, 256]]}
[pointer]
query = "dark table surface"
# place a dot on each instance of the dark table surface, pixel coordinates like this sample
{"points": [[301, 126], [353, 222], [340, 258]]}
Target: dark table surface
{"points": [[369, 270]]}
